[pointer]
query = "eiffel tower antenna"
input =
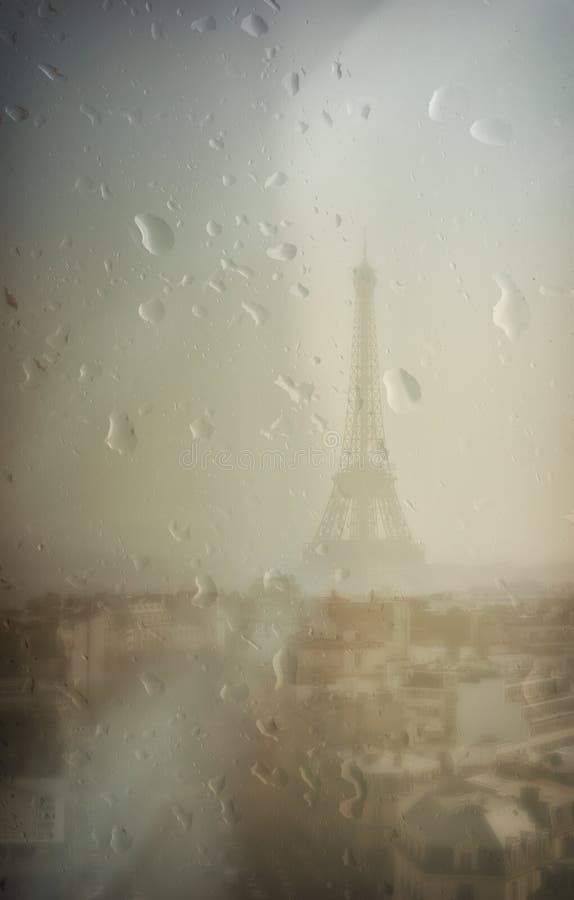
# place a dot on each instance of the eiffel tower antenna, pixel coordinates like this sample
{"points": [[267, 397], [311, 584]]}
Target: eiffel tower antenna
{"points": [[364, 523]]}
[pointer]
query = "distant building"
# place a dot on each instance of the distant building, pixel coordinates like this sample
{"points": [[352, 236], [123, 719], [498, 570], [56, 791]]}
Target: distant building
{"points": [[464, 842], [551, 804], [33, 843], [429, 699], [557, 882], [547, 698], [100, 634], [344, 665]]}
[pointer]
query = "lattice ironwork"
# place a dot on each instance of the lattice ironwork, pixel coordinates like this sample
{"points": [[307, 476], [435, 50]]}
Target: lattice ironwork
{"points": [[363, 510]]}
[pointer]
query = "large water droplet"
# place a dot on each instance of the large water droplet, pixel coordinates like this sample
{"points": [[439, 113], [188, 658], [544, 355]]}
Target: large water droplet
{"points": [[156, 235], [511, 313], [121, 435], [403, 390], [284, 667], [51, 72], [206, 591], [120, 841], [493, 132], [299, 392], [151, 311], [254, 25]]}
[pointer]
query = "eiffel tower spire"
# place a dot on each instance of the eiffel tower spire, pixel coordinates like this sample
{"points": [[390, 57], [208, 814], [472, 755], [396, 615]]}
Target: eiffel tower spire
{"points": [[364, 522]]}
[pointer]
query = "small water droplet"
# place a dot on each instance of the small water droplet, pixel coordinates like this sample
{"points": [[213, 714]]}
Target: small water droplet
{"points": [[258, 313], [213, 228], [59, 339], [511, 313], [299, 290], [179, 532], [268, 728], [84, 185], [282, 252], [90, 371], [91, 114], [203, 25], [183, 817], [151, 684], [342, 574], [216, 784], [201, 429], [51, 72], [277, 179], [291, 83], [447, 103], [16, 113]]}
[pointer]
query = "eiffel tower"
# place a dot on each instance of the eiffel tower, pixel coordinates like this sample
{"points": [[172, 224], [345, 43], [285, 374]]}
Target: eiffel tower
{"points": [[363, 524]]}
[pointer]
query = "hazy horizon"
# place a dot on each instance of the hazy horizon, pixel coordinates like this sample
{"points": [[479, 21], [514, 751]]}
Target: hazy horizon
{"points": [[445, 136]]}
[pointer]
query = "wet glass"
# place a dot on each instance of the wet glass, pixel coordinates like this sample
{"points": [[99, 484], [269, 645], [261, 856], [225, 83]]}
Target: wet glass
{"points": [[287, 559]]}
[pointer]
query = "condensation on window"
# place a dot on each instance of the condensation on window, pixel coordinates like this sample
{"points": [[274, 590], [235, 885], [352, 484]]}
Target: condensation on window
{"points": [[287, 560]]}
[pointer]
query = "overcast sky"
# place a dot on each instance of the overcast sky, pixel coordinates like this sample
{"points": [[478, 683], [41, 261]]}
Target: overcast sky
{"points": [[446, 129]]}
